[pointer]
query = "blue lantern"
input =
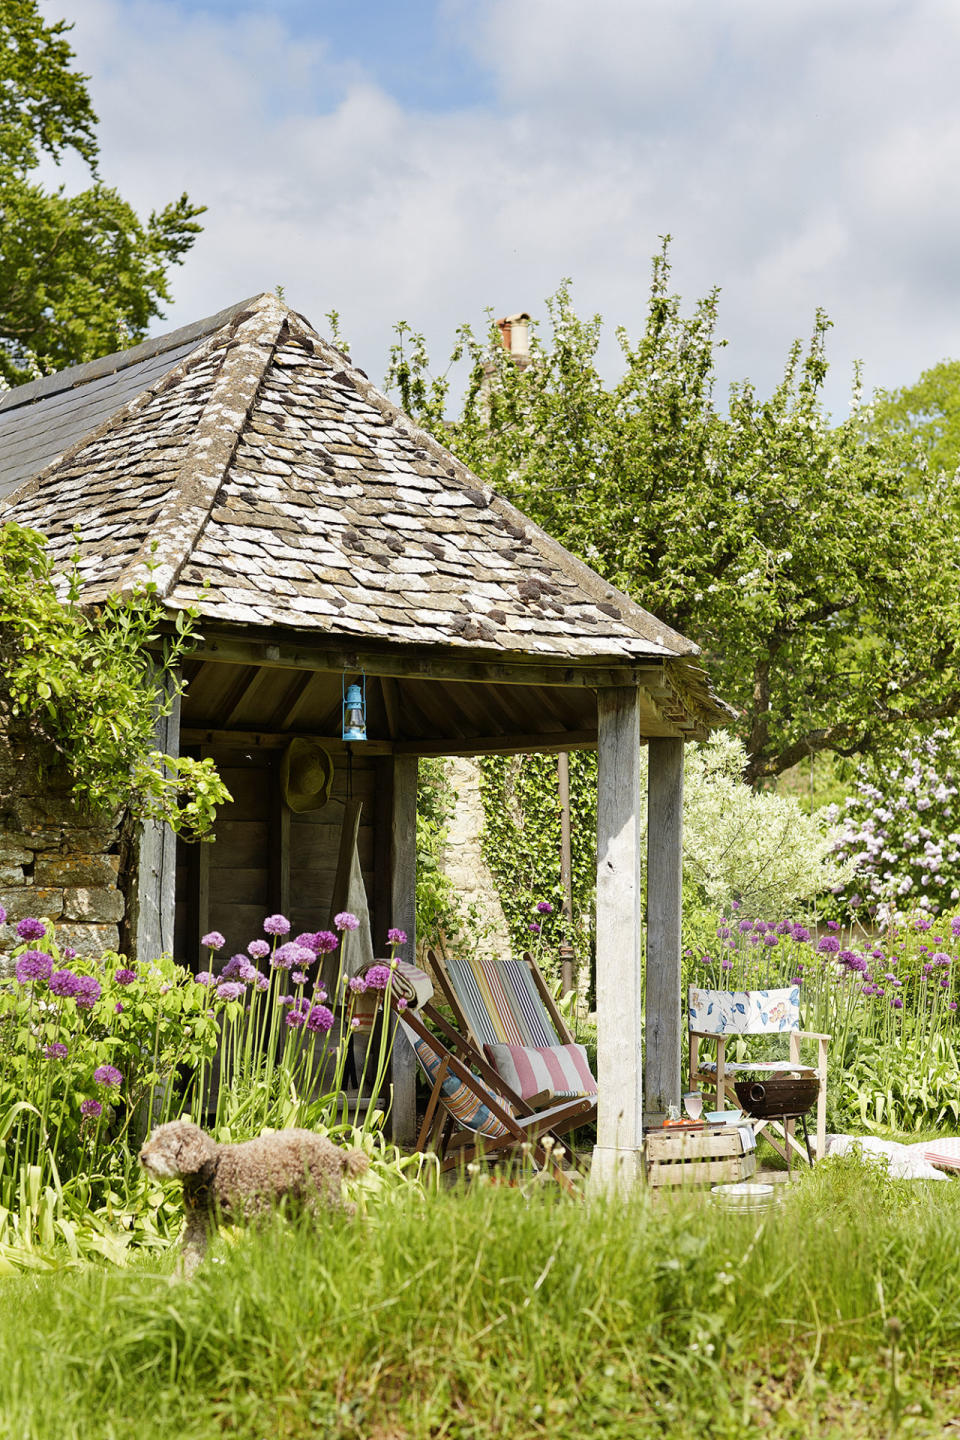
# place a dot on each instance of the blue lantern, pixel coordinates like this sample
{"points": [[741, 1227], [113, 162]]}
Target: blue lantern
{"points": [[354, 709]]}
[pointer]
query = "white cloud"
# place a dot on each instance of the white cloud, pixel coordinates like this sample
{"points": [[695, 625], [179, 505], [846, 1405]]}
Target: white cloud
{"points": [[801, 153]]}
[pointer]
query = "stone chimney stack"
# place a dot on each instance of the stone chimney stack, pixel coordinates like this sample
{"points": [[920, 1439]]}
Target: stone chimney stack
{"points": [[515, 334]]}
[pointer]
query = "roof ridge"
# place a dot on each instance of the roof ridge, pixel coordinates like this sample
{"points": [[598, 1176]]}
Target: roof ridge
{"points": [[76, 375], [247, 355], [647, 626]]}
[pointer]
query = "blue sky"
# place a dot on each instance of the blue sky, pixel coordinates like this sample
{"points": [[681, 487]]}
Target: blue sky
{"points": [[425, 161]]}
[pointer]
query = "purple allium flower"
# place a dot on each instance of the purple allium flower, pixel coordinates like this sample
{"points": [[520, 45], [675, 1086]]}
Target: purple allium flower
{"points": [[91, 1109], [125, 977], [399, 937], [829, 945], [68, 953], [231, 990], [308, 940], [56, 1051], [326, 942], [284, 999], [346, 921], [319, 1018], [401, 1003], [290, 954], [801, 934], [726, 963], [34, 965], [355, 1023], [118, 1008], [723, 931], [922, 922], [3, 916], [945, 983], [896, 1003], [796, 980], [357, 984], [232, 968], [87, 992], [63, 982], [784, 927], [298, 977], [30, 929], [259, 949], [378, 977], [833, 925], [745, 926], [277, 925], [952, 1005], [205, 977], [261, 982], [213, 941], [734, 904], [771, 940], [544, 907], [761, 927], [940, 958], [955, 927], [533, 927], [107, 1075], [296, 1018]]}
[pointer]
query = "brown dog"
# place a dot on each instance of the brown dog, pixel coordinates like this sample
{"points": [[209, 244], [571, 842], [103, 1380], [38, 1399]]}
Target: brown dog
{"points": [[240, 1182]]}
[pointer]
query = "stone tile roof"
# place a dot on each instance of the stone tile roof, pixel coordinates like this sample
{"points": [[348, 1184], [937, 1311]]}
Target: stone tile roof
{"points": [[266, 481]]}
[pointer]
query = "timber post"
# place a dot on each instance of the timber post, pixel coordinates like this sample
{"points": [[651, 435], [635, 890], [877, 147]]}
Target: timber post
{"points": [[403, 898], [664, 1002], [617, 1157]]}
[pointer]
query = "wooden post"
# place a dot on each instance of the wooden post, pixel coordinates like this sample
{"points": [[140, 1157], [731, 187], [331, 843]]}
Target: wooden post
{"points": [[152, 903], [617, 1157], [664, 1003], [568, 976], [403, 897]]}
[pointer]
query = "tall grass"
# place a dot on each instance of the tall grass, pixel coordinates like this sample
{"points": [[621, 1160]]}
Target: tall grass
{"points": [[499, 1313]]}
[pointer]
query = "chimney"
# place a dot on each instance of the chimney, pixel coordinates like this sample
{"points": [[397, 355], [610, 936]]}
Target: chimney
{"points": [[515, 334]]}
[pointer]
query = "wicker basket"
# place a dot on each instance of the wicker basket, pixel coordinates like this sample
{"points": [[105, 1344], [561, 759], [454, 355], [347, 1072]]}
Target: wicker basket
{"points": [[780, 1095]]}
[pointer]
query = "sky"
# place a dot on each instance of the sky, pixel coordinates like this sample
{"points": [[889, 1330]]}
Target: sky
{"points": [[425, 160]]}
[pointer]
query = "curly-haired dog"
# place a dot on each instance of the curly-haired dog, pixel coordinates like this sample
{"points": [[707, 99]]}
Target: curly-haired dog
{"points": [[240, 1182]]}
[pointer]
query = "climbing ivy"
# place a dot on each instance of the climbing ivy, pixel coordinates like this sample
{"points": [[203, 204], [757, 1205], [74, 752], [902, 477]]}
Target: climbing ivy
{"points": [[88, 683], [521, 845]]}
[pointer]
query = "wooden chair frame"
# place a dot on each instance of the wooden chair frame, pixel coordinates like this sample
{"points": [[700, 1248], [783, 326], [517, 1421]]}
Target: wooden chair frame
{"points": [[441, 1130]]}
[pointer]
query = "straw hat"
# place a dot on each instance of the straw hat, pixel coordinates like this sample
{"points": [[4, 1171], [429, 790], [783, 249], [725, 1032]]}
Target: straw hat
{"points": [[306, 774]]}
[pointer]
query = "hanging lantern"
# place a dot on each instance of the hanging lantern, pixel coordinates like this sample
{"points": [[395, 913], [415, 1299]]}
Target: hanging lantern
{"points": [[354, 709]]}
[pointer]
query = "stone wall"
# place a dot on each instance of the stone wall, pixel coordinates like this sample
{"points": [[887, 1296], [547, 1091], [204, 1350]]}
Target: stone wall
{"points": [[56, 862]]}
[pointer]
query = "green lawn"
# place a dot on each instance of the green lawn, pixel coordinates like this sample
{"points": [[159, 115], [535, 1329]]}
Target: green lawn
{"points": [[495, 1313]]}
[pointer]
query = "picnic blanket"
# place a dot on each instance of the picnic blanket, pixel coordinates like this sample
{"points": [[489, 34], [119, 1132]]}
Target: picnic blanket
{"points": [[904, 1162]]}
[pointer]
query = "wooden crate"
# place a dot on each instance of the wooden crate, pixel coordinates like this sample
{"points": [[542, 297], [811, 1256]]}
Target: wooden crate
{"points": [[697, 1157]]}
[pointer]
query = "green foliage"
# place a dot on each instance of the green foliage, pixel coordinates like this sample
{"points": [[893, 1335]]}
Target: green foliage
{"points": [[444, 923], [79, 274], [93, 682], [801, 555], [494, 1313], [927, 413], [230, 1056], [521, 845]]}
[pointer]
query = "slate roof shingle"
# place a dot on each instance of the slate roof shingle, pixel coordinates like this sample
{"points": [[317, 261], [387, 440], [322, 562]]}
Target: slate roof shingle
{"points": [[265, 480]]}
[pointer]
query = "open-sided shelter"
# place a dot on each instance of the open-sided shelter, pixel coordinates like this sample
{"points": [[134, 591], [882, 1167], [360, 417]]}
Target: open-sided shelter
{"points": [[248, 468]]}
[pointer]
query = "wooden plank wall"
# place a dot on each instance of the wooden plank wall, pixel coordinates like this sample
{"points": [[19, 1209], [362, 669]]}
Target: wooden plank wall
{"points": [[264, 859]]}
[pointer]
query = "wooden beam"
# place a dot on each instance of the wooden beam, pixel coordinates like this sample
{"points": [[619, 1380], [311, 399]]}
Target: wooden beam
{"points": [[617, 1158], [391, 705], [278, 739], [661, 1074], [511, 669], [237, 701], [546, 743], [289, 708], [403, 897]]}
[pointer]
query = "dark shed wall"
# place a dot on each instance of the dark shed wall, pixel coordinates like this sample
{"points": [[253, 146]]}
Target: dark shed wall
{"points": [[265, 859]]}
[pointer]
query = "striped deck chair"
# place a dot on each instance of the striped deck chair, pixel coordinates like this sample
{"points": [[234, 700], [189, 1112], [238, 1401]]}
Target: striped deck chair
{"points": [[506, 1010], [468, 1119]]}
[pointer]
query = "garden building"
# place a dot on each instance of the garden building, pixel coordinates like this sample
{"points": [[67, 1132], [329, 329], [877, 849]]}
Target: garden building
{"points": [[248, 468]]}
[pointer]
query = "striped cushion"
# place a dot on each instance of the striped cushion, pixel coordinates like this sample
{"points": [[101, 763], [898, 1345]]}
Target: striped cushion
{"points": [[543, 1069], [458, 1098]]}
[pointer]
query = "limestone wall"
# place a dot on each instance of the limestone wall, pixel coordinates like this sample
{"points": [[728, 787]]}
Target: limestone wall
{"points": [[55, 861]]}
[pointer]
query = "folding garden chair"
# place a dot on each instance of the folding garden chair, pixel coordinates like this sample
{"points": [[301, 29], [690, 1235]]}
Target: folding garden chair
{"points": [[468, 1120], [718, 1015], [505, 1009]]}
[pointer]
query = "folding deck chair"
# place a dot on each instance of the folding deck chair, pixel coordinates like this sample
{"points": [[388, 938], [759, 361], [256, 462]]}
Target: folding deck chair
{"points": [[468, 1120], [505, 1010]]}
